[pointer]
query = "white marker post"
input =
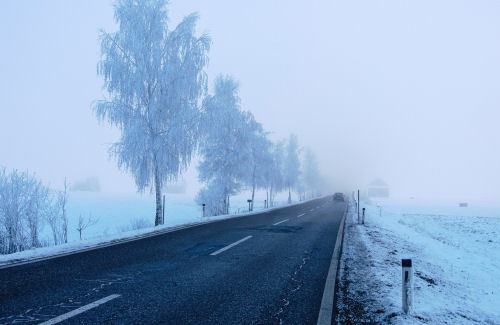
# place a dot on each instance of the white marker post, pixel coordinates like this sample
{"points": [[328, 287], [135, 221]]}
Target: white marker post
{"points": [[357, 206], [203, 209], [407, 274], [363, 219]]}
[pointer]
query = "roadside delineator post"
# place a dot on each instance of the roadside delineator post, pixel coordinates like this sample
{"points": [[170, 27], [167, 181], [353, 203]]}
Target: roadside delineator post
{"points": [[357, 207], [203, 205], [363, 219], [265, 203], [249, 202], [407, 275]]}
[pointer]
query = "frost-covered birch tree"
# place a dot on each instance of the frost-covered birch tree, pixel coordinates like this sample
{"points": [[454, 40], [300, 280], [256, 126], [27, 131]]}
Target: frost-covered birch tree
{"points": [[275, 180], [155, 78], [310, 173], [225, 149], [291, 165], [261, 159]]}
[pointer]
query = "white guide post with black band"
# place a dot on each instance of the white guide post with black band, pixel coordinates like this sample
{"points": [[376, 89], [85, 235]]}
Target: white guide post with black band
{"points": [[407, 274]]}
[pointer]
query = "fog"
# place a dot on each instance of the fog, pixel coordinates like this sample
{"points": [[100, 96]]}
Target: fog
{"points": [[405, 91]]}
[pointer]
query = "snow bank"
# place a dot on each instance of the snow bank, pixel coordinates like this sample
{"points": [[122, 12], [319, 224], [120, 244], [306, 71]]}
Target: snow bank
{"points": [[456, 259]]}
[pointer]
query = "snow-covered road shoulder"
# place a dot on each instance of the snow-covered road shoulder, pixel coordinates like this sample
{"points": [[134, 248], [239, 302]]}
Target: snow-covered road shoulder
{"points": [[456, 263]]}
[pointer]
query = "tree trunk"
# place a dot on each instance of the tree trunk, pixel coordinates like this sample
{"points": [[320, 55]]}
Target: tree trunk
{"points": [[253, 187], [253, 197], [267, 197], [10, 238], [158, 197], [34, 235], [65, 230], [64, 216], [163, 210], [54, 233]]}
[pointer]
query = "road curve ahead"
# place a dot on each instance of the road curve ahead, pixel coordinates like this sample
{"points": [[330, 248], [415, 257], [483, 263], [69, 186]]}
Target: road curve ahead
{"points": [[261, 269]]}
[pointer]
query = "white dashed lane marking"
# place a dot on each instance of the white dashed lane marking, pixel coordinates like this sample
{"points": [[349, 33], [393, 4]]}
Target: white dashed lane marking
{"points": [[231, 245], [277, 223], [80, 310]]}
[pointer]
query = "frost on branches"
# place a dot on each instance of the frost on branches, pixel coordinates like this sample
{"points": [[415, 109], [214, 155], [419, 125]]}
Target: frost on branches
{"points": [[225, 148], [154, 78], [25, 206], [261, 159], [310, 174], [291, 165]]}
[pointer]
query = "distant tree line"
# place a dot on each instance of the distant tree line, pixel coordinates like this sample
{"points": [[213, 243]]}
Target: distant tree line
{"points": [[157, 97], [237, 153]]}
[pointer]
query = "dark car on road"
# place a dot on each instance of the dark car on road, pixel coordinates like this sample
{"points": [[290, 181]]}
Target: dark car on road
{"points": [[338, 197]]}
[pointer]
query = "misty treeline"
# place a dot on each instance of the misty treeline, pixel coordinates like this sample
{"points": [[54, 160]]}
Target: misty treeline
{"points": [[157, 97], [26, 205], [237, 154]]}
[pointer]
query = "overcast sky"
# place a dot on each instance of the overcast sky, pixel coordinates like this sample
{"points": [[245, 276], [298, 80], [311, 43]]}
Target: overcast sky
{"points": [[408, 91]]}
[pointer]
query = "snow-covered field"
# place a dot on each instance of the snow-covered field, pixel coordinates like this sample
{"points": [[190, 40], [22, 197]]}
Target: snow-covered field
{"points": [[118, 213], [456, 260]]}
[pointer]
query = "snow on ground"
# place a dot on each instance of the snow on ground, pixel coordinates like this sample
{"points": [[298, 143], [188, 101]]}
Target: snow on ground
{"points": [[456, 260], [117, 213], [116, 217]]}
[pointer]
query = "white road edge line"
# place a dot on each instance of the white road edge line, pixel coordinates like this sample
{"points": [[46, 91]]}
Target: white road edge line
{"points": [[80, 310], [300, 215], [326, 309], [277, 223], [231, 245]]}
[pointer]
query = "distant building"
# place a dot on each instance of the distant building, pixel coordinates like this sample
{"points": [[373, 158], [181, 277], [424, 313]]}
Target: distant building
{"points": [[378, 188]]}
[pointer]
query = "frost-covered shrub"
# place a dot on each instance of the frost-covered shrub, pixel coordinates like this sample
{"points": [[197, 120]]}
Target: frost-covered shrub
{"points": [[25, 204], [136, 224], [140, 223], [22, 205], [214, 198]]}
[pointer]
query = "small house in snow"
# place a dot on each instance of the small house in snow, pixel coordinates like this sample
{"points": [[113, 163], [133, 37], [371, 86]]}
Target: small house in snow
{"points": [[378, 188]]}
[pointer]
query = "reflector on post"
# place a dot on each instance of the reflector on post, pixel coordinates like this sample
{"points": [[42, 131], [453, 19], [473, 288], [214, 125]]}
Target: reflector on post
{"points": [[407, 277]]}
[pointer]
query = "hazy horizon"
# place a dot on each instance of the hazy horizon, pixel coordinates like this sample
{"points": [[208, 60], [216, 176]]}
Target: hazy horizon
{"points": [[406, 92]]}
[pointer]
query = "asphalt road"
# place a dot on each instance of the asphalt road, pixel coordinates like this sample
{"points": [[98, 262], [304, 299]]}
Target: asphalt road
{"points": [[186, 277]]}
